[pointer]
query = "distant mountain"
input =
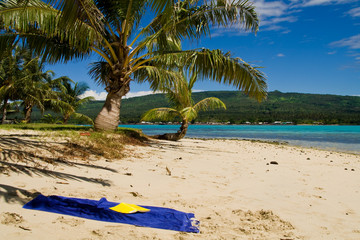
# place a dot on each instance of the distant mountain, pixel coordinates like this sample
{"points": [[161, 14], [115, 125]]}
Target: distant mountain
{"points": [[298, 108], [286, 107]]}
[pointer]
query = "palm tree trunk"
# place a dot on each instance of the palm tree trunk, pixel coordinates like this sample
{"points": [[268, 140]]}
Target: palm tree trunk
{"points": [[109, 116], [175, 136], [183, 128], [28, 111], [3, 119], [66, 118]]}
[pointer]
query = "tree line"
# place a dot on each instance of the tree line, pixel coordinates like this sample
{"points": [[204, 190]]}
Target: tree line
{"points": [[25, 85], [298, 108]]}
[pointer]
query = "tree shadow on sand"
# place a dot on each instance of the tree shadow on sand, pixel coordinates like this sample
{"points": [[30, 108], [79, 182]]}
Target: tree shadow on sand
{"points": [[17, 195], [31, 171], [29, 155]]}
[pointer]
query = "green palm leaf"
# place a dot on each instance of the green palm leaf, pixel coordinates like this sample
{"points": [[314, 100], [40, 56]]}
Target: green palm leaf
{"points": [[82, 118], [189, 113], [39, 25], [190, 19], [210, 103], [162, 114], [214, 64]]}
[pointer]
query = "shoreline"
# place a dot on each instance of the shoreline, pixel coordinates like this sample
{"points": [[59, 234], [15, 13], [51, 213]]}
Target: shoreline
{"points": [[333, 139], [241, 124], [234, 188]]}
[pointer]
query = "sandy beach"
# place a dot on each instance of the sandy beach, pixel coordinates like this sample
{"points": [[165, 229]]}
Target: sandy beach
{"points": [[236, 189]]}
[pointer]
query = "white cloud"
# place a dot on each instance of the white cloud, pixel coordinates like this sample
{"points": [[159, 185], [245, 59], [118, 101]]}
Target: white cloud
{"points": [[355, 12], [234, 30], [332, 53], [273, 24], [280, 55], [279, 20], [97, 96], [198, 90], [270, 9], [102, 95], [353, 45], [271, 15], [139, 94], [310, 3], [351, 42]]}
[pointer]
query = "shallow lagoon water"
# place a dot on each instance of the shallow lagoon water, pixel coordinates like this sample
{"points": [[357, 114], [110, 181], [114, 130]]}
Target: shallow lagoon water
{"points": [[340, 138]]}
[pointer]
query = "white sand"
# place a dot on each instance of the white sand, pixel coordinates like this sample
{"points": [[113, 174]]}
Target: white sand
{"points": [[227, 184]]}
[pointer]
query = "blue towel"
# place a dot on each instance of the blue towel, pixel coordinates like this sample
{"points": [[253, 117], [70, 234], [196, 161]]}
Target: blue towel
{"points": [[164, 218]]}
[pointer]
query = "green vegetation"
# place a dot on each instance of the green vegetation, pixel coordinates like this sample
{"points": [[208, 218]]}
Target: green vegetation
{"points": [[136, 40], [45, 126], [24, 85], [183, 107], [298, 108], [135, 134], [70, 94]]}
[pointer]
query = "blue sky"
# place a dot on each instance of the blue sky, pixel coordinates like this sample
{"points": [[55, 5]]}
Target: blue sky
{"points": [[306, 46]]}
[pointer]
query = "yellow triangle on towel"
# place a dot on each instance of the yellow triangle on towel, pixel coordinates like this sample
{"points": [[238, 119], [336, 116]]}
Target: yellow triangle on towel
{"points": [[128, 208]]}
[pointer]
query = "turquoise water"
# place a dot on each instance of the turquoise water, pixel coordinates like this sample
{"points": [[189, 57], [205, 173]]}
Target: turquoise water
{"points": [[341, 138]]}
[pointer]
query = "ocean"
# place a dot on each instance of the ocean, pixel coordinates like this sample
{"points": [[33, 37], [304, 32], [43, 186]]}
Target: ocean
{"points": [[338, 138]]}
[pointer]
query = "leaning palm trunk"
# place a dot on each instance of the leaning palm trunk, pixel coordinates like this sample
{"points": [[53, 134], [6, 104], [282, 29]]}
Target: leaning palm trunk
{"points": [[109, 116], [175, 136]]}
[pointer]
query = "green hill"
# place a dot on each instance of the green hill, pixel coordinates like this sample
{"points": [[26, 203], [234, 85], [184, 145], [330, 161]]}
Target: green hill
{"points": [[286, 107]]}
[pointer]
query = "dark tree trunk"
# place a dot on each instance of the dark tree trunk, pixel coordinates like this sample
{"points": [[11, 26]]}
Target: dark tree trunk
{"points": [[174, 136], [109, 116], [4, 113], [66, 118], [28, 111]]}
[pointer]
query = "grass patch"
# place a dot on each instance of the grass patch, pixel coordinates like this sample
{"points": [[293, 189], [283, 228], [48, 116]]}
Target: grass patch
{"points": [[110, 145], [83, 140], [44, 126]]}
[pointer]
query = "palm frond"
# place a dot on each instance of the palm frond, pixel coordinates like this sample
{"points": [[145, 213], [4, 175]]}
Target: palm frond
{"points": [[157, 76], [189, 113], [124, 15], [193, 19], [221, 67], [39, 25], [161, 5], [83, 118], [60, 106], [84, 100], [84, 10], [210, 103], [162, 114], [4, 90], [179, 93], [100, 71]]}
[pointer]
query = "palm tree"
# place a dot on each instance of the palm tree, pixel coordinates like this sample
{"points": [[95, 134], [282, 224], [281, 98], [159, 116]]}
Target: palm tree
{"points": [[184, 108], [22, 77], [71, 94], [34, 88], [131, 44], [10, 71]]}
